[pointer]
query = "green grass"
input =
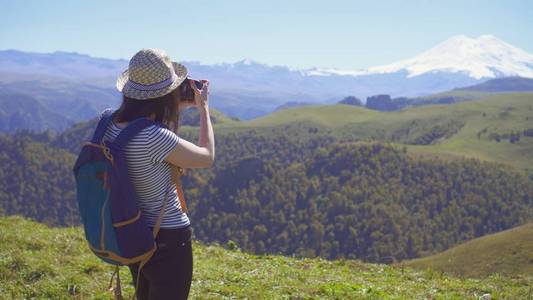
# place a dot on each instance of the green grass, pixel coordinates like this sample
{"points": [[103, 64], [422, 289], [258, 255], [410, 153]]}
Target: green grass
{"points": [[508, 252], [497, 113], [47, 263], [333, 116]]}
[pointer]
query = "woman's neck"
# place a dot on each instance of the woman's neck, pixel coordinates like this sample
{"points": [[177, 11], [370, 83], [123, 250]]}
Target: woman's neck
{"points": [[124, 124]]}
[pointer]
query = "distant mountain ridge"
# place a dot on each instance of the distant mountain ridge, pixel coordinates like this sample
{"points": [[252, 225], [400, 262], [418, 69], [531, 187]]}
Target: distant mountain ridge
{"points": [[247, 89], [508, 84], [18, 111], [60, 64], [473, 92], [385, 102]]}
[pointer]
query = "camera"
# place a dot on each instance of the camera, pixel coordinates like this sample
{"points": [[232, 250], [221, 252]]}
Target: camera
{"points": [[185, 90]]}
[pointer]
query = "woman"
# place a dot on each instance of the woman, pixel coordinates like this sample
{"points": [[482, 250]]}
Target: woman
{"points": [[153, 87]]}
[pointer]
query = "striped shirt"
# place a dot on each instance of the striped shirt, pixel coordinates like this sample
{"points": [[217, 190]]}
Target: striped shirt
{"points": [[151, 175]]}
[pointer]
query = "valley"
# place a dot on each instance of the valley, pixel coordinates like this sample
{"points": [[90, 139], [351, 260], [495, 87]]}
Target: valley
{"points": [[331, 181]]}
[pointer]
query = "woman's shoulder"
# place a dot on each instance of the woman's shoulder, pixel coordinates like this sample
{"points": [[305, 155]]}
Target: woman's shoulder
{"points": [[159, 131], [152, 134], [106, 112], [160, 141]]}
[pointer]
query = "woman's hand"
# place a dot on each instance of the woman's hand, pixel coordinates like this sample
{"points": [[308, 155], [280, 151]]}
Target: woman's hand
{"points": [[201, 96]]}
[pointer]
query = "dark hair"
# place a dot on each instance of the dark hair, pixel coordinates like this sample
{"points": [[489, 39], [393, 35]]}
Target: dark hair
{"points": [[165, 109]]}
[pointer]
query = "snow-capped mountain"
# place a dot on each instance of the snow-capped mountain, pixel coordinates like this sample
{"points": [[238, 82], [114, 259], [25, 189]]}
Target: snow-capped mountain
{"points": [[482, 57]]}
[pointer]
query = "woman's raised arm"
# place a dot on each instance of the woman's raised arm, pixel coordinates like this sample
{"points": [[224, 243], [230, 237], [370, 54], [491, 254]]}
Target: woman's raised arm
{"points": [[188, 155]]}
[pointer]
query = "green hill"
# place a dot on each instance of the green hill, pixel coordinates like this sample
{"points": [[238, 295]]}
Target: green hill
{"points": [[191, 117], [493, 127], [44, 263], [507, 252]]}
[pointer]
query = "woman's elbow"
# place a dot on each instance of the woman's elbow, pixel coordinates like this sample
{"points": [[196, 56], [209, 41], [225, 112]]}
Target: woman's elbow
{"points": [[208, 162]]}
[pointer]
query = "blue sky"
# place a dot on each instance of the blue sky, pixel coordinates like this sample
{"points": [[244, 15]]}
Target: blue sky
{"points": [[298, 34]]}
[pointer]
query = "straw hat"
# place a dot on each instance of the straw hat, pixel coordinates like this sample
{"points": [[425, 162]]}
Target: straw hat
{"points": [[150, 74]]}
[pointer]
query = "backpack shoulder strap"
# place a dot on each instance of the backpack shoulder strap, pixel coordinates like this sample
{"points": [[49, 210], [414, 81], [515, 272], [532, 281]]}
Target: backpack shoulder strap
{"points": [[176, 173], [107, 115], [131, 130]]}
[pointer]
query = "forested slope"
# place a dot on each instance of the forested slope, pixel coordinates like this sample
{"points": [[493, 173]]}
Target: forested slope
{"points": [[309, 197], [368, 201], [37, 180]]}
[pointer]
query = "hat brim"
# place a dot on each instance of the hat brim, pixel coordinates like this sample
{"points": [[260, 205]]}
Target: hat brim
{"points": [[130, 92]]}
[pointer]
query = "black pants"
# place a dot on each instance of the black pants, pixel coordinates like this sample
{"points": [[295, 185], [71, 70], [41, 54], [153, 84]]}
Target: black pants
{"points": [[168, 274]]}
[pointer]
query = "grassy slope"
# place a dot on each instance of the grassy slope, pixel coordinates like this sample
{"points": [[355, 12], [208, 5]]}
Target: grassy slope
{"points": [[506, 252], [503, 114], [466, 143], [40, 262], [221, 117]]}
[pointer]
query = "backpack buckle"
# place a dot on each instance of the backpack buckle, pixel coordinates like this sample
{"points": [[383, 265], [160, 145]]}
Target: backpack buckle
{"points": [[107, 152]]}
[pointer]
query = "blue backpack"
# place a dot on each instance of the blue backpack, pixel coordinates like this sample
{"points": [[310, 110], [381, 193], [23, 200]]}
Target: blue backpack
{"points": [[114, 226]]}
